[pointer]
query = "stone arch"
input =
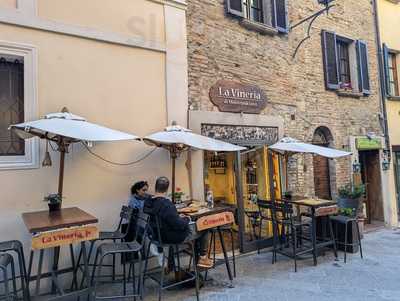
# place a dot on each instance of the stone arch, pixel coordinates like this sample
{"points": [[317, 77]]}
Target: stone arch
{"points": [[324, 169]]}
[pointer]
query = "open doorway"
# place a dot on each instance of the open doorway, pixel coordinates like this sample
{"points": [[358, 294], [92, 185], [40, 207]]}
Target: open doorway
{"points": [[370, 176]]}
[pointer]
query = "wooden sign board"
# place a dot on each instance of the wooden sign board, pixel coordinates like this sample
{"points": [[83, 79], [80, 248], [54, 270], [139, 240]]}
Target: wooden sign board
{"points": [[215, 220], [62, 237], [230, 96], [328, 210]]}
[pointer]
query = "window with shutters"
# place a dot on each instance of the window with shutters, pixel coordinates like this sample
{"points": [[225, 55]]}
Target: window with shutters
{"points": [[345, 65], [17, 104], [263, 14], [393, 75]]}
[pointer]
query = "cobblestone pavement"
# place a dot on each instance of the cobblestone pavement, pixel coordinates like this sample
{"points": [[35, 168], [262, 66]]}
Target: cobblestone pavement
{"points": [[376, 277]]}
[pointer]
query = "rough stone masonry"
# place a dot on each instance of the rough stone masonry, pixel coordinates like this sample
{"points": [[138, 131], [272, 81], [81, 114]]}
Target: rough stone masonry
{"points": [[221, 48]]}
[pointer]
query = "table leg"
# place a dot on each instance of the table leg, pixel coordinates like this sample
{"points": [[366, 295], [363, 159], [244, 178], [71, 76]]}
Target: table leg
{"points": [[314, 236], [228, 267], [74, 266], [54, 270], [86, 270], [39, 273]]}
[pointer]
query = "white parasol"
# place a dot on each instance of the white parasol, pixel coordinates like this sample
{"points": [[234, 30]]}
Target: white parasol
{"points": [[177, 139], [64, 129]]}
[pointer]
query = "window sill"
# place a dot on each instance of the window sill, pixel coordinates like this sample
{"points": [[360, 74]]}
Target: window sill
{"points": [[261, 28], [349, 93], [397, 98]]}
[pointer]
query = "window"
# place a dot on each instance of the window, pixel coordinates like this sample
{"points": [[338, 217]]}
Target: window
{"points": [[345, 63], [17, 104], [391, 72], [272, 13]]}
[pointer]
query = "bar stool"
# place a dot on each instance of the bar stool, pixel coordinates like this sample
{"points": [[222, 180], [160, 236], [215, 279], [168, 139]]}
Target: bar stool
{"points": [[17, 247], [116, 235], [346, 221], [132, 252], [7, 260]]}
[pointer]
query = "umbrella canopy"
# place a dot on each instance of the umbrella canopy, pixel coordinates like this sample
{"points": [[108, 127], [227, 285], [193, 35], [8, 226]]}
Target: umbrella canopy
{"points": [[63, 129], [291, 145], [72, 127], [183, 139], [178, 139]]}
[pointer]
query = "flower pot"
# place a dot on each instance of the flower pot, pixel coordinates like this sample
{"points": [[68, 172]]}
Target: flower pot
{"points": [[354, 204], [54, 207]]}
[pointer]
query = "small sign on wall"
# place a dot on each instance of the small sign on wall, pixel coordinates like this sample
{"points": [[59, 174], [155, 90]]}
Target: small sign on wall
{"points": [[230, 96], [368, 144], [58, 238]]}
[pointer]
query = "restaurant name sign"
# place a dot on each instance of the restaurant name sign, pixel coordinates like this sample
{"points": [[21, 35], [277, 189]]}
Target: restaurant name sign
{"points": [[57, 238], [230, 96], [368, 144], [215, 220]]}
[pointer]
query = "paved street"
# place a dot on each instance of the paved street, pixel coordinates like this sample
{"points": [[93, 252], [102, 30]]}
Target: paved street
{"points": [[374, 278]]}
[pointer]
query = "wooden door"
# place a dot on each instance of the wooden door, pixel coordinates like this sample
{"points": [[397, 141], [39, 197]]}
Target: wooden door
{"points": [[321, 178]]}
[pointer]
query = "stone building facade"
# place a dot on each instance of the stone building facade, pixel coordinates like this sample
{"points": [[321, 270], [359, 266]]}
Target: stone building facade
{"points": [[224, 46]]}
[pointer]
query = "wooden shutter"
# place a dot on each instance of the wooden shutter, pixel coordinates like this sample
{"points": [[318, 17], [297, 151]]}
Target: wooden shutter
{"points": [[330, 59], [386, 68], [281, 15], [235, 7], [362, 62]]}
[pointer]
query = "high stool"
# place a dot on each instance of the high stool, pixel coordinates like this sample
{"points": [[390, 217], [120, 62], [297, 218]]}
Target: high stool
{"points": [[346, 221], [17, 247], [7, 260]]}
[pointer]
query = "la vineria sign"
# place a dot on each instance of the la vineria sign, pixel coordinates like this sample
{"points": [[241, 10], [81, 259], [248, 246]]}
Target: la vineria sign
{"points": [[230, 96]]}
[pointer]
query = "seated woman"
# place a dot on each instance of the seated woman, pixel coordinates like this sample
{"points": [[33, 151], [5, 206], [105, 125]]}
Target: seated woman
{"points": [[136, 201]]}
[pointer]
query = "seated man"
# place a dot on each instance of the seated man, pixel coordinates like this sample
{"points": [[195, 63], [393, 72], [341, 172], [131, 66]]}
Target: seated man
{"points": [[174, 228]]}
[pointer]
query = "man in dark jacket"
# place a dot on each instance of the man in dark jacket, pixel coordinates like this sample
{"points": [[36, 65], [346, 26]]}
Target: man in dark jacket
{"points": [[173, 227]]}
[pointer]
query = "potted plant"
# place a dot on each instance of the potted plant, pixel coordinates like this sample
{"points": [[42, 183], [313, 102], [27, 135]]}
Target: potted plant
{"points": [[178, 195], [53, 201], [350, 197]]}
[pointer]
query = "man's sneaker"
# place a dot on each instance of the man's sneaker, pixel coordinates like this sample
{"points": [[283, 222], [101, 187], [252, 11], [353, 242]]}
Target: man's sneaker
{"points": [[205, 262]]}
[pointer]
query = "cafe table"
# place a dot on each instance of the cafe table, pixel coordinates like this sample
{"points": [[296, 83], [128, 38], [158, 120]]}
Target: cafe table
{"points": [[214, 218], [52, 230], [317, 208]]}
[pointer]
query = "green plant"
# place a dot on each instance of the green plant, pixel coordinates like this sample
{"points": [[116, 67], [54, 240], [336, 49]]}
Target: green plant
{"points": [[346, 211], [53, 198], [352, 192]]}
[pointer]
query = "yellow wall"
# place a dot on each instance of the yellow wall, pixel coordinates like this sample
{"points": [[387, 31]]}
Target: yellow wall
{"points": [[141, 18], [117, 86], [8, 3], [389, 23]]}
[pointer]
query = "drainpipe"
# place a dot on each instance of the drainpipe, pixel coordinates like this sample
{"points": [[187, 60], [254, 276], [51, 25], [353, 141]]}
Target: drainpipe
{"points": [[382, 81]]}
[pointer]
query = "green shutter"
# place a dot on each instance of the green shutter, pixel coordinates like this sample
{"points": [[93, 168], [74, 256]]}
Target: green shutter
{"points": [[386, 68], [330, 59], [363, 72], [235, 7]]}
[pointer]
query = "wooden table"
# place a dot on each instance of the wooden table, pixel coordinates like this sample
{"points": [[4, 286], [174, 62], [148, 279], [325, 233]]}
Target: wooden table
{"points": [[317, 207], [215, 218], [51, 230]]}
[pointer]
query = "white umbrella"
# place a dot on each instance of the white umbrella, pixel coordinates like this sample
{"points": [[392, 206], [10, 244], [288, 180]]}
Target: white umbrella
{"points": [[177, 139], [64, 129], [291, 145]]}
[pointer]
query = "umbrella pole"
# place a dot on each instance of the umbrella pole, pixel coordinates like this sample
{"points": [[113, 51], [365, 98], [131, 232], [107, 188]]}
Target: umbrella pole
{"points": [[62, 149], [173, 156]]}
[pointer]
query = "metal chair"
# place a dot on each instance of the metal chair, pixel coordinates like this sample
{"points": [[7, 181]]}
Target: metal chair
{"points": [[17, 247], [346, 221], [126, 214], [156, 239], [7, 260], [124, 249]]}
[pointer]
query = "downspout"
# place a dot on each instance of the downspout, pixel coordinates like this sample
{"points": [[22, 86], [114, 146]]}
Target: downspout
{"points": [[382, 82]]}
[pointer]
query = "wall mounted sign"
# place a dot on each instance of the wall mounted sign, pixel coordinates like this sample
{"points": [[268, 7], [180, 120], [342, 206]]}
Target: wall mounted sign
{"points": [[368, 144], [230, 96], [241, 134]]}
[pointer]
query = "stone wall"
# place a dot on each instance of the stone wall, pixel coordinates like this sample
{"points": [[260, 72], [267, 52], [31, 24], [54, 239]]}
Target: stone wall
{"points": [[221, 48]]}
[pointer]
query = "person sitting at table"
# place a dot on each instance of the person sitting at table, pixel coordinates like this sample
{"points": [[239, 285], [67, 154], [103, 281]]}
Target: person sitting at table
{"points": [[136, 201], [174, 227]]}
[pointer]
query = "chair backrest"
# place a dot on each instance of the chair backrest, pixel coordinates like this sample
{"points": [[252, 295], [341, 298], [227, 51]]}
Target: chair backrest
{"points": [[142, 227], [268, 207]]}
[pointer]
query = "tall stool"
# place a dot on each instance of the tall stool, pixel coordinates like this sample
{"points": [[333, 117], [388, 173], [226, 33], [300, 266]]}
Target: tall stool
{"points": [[346, 221], [7, 260], [17, 247]]}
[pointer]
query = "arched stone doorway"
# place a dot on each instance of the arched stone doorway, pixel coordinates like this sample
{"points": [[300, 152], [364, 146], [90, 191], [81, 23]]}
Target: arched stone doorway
{"points": [[322, 169]]}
